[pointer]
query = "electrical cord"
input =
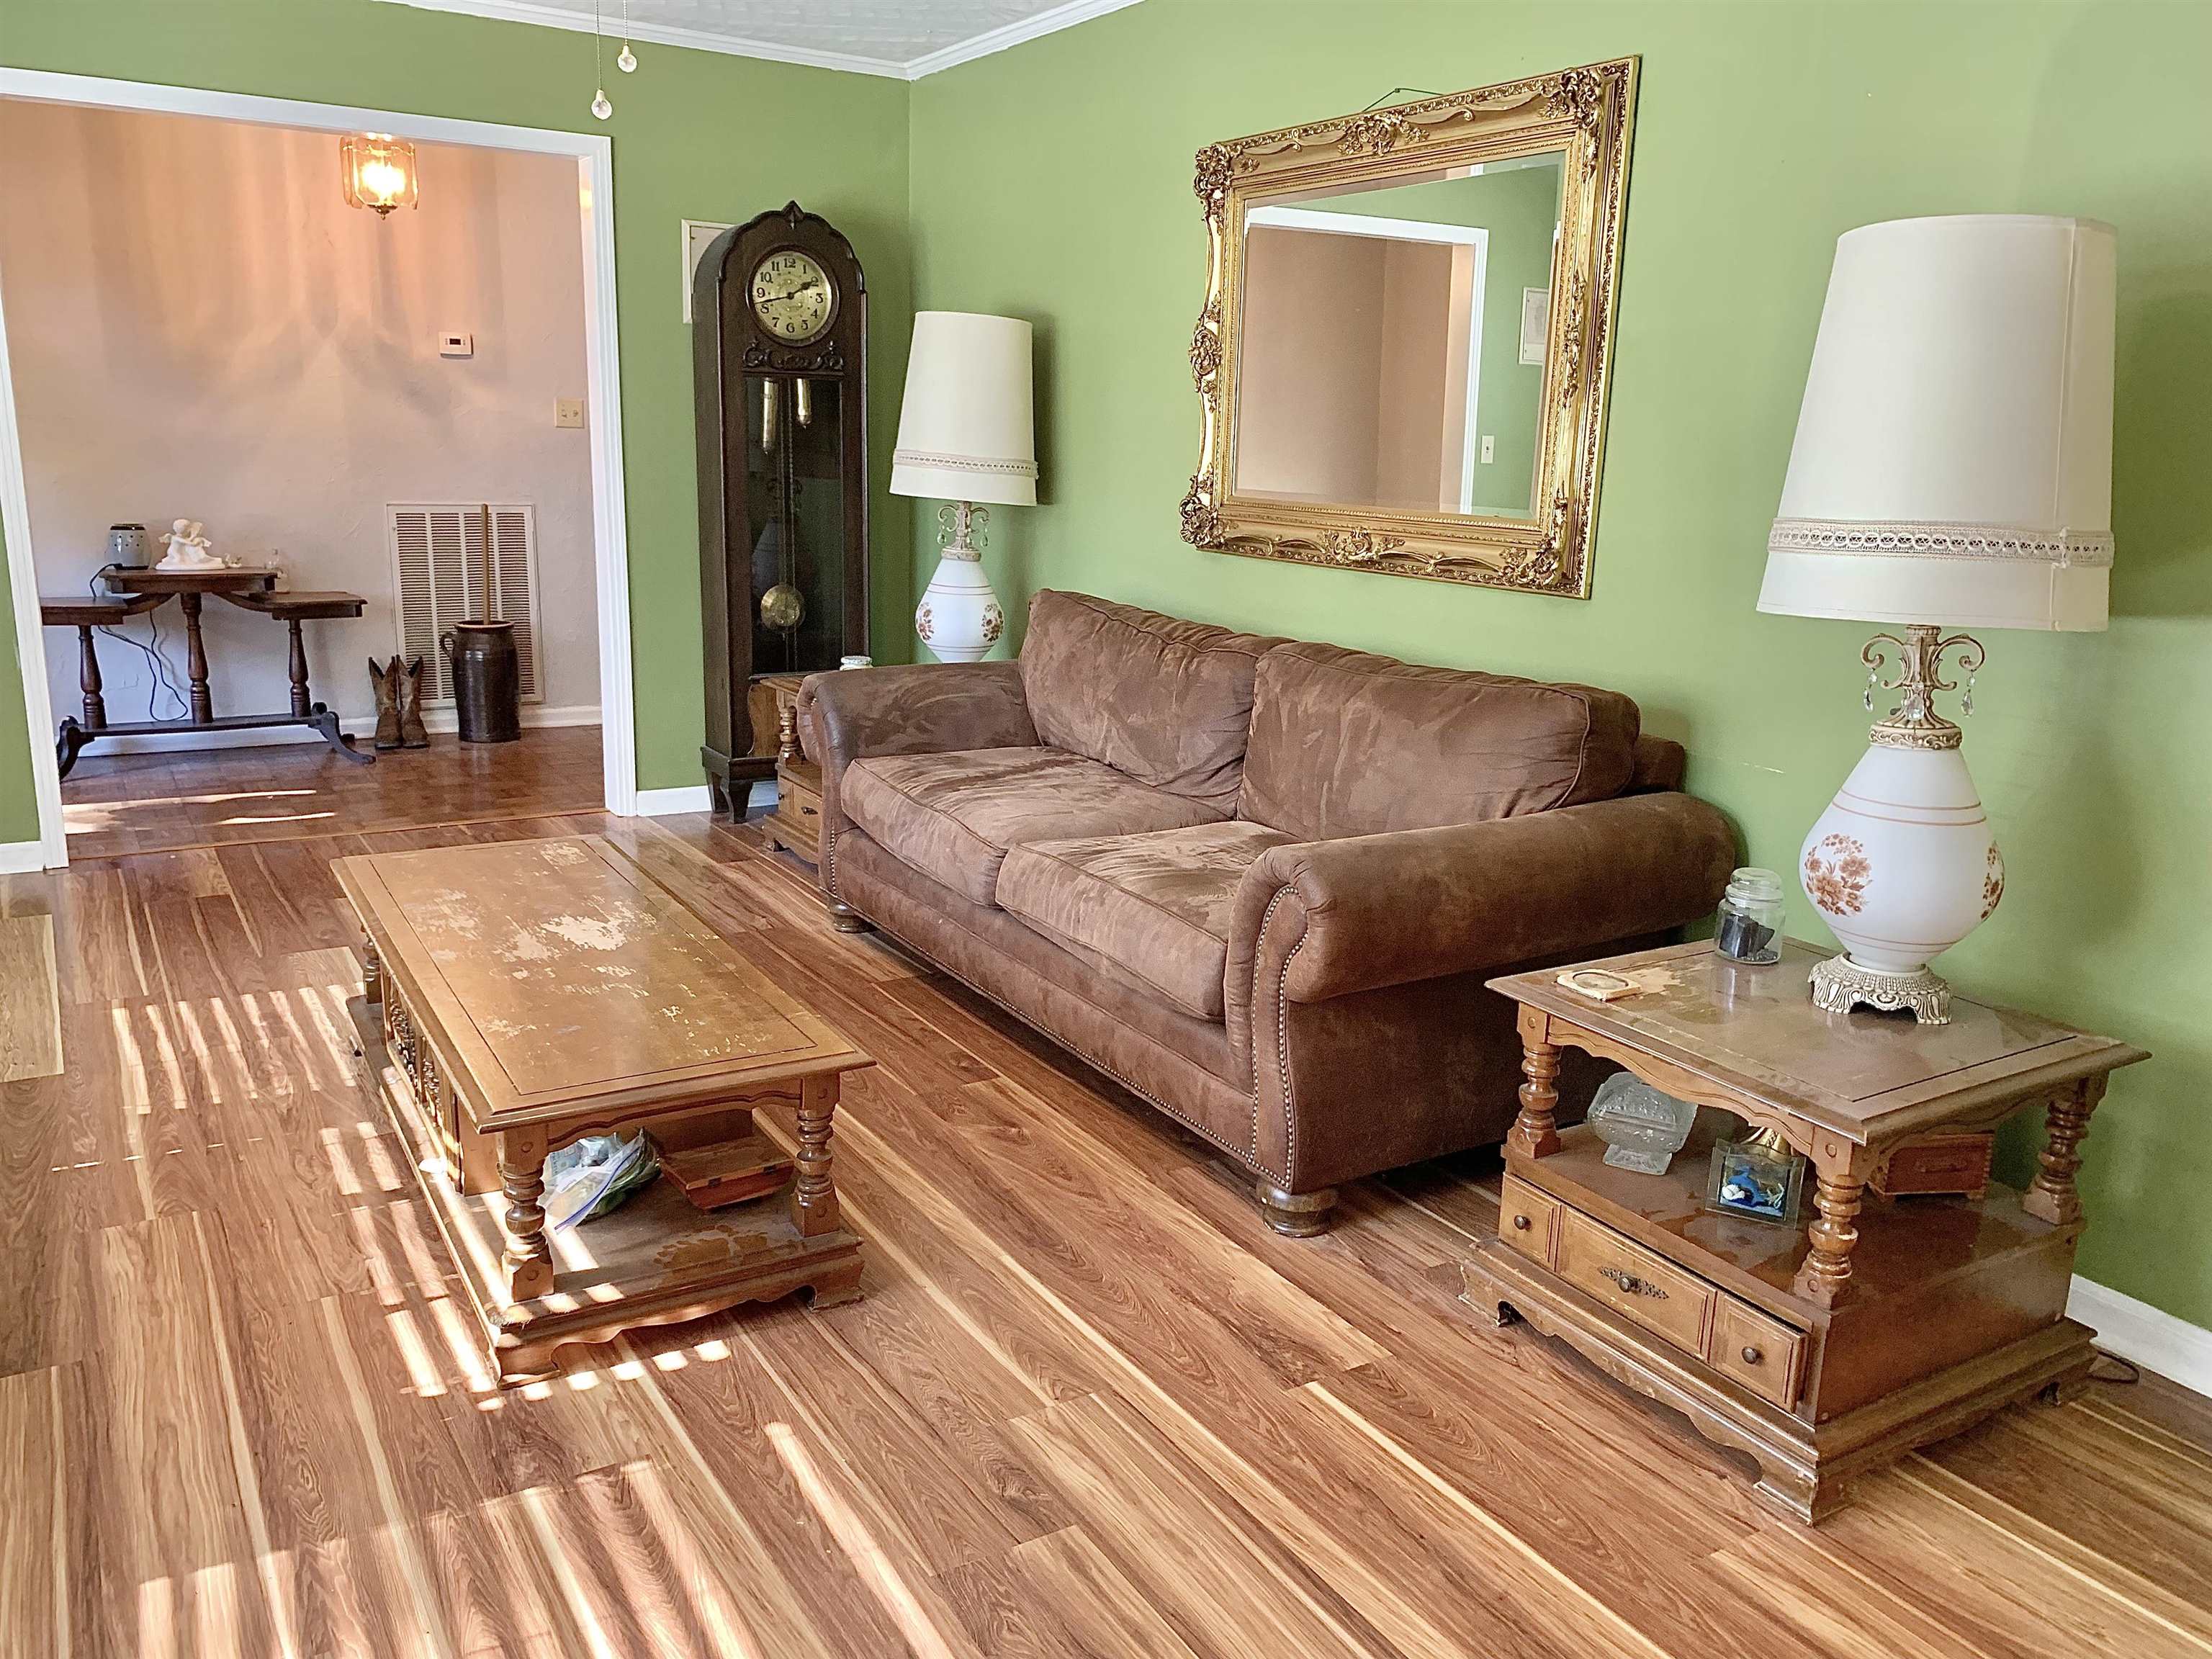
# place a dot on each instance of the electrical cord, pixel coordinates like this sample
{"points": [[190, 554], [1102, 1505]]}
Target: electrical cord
{"points": [[162, 676]]}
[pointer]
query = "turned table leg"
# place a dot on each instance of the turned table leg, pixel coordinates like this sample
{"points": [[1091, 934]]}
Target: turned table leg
{"points": [[786, 735], [529, 1258], [1825, 1276], [196, 662], [88, 680], [302, 704], [813, 1195], [372, 972], [1534, 1133], [2051, 1196]]}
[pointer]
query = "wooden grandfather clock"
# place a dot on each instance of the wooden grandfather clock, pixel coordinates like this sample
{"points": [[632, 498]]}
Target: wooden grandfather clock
{"points": [[779, 359]]}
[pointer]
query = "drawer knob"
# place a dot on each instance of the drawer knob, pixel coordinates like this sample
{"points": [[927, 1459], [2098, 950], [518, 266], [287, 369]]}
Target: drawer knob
{"points": [[1750, 1356], [1520, 1224], [1631, 1285]]}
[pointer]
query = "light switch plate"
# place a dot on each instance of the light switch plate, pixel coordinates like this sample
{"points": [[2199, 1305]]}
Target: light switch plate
{"points": [[1488, 451], [568, 411], [457, 345]]}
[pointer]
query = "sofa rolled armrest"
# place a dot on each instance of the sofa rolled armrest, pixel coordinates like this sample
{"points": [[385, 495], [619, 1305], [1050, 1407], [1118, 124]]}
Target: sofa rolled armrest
{"points": [[1417, 904], [850, 714]]}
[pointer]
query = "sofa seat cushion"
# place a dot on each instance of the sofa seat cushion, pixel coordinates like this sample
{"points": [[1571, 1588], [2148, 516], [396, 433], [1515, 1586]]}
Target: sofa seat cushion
{"points": [[1154, 907], [953, 817]]}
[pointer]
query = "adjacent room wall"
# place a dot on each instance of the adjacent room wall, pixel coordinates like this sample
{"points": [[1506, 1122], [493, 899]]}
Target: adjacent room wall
{"points": [[200, 326], [696, 134], [1763, 131]]}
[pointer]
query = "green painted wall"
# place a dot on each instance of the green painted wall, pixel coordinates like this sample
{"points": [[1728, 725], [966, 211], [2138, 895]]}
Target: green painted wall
{"points": [[1520, 208], [696, 134], [1052, 182]]}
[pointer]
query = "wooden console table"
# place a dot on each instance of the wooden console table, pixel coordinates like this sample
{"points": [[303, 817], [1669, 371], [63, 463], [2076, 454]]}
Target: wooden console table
{"points": [[141, 588], [518, 997], [1822, 1352]]}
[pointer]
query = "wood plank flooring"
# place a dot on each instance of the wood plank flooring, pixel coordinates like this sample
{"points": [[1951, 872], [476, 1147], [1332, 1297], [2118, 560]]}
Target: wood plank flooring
{"points": [[1089, 1404], [116, 804]]}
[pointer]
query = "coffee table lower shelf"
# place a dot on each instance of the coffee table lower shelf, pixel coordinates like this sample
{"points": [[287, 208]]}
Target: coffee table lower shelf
{"points": [[658, 1261]]}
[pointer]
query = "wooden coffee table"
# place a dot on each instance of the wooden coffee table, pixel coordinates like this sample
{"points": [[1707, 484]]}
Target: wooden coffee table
{"points": [[518, 997], [1823, 1351]]}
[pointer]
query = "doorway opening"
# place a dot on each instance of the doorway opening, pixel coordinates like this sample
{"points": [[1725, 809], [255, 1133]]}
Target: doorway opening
{"points": [[374, 425]]}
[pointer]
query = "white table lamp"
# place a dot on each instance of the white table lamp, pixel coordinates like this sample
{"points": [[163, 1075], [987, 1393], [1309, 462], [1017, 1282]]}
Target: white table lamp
{"points": [[966, 435], [1952, 468]]}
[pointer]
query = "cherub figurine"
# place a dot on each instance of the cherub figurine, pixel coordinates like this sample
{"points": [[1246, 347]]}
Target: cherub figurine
{"points": [[188, 548]]}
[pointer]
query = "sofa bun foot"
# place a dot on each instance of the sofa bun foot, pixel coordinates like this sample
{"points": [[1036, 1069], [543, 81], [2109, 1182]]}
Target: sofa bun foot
{"points": [[1296, 1215], [846, 920]]}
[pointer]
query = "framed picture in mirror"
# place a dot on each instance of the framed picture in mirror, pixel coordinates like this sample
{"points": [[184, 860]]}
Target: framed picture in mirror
{"points": [[1403, 351]]}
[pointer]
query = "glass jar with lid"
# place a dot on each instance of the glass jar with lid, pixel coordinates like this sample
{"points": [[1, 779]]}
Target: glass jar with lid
{"points": [[1750, 927]]}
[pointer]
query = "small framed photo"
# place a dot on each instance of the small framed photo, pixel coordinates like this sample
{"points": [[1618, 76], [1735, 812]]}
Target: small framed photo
{"points": [[1749, 1181]]}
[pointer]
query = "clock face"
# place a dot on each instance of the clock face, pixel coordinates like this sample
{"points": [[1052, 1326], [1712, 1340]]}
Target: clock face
{"points": [[792, 296]]}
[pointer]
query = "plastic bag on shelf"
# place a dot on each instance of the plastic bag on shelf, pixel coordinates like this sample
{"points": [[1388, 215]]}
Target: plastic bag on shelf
{"points": [[596, 1175]]}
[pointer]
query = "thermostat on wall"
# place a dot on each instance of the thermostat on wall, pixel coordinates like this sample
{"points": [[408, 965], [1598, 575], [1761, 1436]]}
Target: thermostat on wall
{"points": [[457, 345]]}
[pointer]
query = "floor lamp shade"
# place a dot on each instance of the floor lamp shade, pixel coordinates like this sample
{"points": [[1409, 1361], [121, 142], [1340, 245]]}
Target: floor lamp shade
{"points": [[1952, 468], [1953, 458], [967, 435]]}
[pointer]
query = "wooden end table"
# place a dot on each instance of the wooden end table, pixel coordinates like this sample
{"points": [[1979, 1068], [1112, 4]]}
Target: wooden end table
{"points": [[796, 824], [518, 997], [1822, 1351]]}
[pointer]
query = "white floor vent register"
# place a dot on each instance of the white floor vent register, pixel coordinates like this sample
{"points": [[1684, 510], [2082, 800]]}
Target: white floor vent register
{"points": [[438, 563]]}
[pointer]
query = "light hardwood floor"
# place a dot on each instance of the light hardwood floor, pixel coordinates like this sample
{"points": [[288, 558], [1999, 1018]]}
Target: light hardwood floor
{"points": [[1089, 1404], [116, 804]]}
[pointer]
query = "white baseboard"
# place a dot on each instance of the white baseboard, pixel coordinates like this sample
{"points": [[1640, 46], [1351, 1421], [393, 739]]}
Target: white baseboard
{"points": [[19, 858], [664, 803], [359, 726], [2155, 1339]]}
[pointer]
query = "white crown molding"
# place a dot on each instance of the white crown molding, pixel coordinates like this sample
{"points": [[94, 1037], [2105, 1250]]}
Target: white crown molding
{"points": [[2150, 1337], [1063, 16]]}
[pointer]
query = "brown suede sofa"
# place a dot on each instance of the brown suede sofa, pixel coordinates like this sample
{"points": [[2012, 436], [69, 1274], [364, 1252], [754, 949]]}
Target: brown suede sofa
{"points": [[1258, 882]]}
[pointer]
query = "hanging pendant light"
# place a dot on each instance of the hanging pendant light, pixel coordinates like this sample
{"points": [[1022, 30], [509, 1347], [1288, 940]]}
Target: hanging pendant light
{"points": [[378, 172], [627, 62], [601, 106]]}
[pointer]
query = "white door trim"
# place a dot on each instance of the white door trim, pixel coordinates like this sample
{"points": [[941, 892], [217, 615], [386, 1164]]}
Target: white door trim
{"points": [[594, 156]]}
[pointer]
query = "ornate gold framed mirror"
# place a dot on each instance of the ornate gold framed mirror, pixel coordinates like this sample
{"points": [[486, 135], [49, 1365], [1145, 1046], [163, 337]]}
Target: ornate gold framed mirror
{"points": [[1408, 331]]}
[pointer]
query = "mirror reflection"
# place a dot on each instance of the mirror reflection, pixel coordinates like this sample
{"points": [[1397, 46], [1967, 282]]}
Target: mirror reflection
{"points": [[1392, 341]]}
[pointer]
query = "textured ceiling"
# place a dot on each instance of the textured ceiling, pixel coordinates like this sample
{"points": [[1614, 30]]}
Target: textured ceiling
{"points": [[887, 36]]}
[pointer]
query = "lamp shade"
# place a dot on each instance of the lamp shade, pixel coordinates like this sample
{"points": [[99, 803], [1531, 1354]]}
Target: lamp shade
{"points": [[965, 427], [1953, 458]]}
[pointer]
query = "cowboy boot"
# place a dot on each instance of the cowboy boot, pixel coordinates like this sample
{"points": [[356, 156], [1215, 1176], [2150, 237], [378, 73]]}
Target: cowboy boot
{"points": [[411, 734], [384, 679]]}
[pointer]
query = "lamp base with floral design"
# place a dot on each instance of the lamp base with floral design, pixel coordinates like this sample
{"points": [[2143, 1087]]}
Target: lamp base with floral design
{"points": [[1902, 865], [959, 618]]}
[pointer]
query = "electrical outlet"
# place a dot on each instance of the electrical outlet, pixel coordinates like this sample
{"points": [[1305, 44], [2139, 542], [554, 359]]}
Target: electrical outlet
{"points": [[568, 411], [457, 345], [1488, 451]]}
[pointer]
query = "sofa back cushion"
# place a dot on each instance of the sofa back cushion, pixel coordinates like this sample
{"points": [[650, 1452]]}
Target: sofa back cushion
{"points": [[1344, 744], [1167, 701]]}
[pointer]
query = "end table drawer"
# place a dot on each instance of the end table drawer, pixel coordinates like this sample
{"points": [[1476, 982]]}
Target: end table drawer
{"points": [[1765, 1355], [1632, 1281], [1528, 1220]]}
